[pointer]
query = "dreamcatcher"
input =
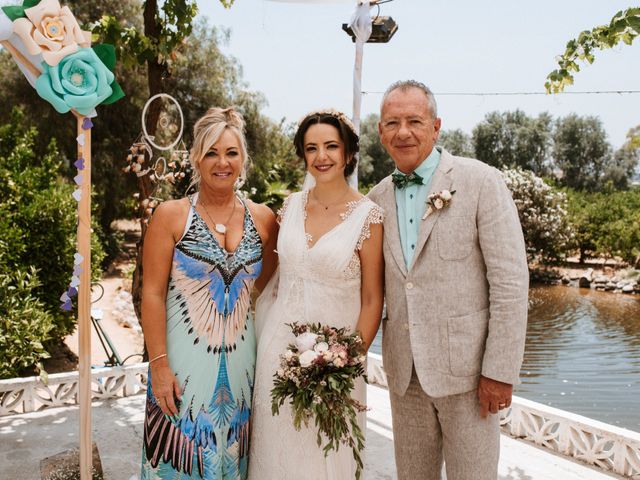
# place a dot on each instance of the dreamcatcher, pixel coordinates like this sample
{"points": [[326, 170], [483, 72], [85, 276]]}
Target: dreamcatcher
{"points": [[163, 116]]}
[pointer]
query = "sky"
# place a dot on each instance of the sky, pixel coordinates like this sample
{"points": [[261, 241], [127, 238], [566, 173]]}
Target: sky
{"points": [[297, 55]]}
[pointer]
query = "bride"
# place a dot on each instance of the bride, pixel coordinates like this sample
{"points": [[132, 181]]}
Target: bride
{"points": [[331, 271]]}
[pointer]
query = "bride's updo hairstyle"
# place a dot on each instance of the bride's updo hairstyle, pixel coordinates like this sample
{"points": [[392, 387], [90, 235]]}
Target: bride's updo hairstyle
{"points": [[346, 131], [208, 130]]}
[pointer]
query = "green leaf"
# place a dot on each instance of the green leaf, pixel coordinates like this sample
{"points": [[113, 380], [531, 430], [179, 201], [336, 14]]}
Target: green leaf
{"points": [[107, 54], [634, 22], [30, 3], [115, 96], [14, 12]]}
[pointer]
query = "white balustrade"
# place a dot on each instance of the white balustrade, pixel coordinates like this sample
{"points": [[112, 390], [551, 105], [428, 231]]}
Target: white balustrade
{"points": [[23, 395], [593, 442], [590, 441]]}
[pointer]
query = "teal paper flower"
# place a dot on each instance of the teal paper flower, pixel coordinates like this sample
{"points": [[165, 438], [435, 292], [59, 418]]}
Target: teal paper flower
{"points": [[81, 81]]}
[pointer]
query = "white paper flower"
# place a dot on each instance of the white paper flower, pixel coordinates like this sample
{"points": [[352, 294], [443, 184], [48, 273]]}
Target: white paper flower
{"points": [[306, 341], [307, 358], [321, 347], [445, 195]]}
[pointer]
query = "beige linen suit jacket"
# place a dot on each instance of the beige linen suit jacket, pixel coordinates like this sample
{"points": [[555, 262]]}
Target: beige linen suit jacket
{"points": [[460, 309]]}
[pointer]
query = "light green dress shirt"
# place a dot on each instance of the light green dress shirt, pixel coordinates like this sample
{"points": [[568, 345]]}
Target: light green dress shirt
{"points": [[411, 205]]}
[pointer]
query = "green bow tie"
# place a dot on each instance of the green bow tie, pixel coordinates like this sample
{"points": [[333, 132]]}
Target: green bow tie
{"points": [[401, 180]]}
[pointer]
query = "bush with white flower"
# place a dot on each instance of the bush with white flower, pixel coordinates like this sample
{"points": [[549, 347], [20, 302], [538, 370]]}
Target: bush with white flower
{"points": [[543, 215], [317, 373]]}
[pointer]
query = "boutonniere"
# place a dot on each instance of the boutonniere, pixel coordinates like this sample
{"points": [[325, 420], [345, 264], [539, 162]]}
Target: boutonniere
{"points": [[437, 201]]}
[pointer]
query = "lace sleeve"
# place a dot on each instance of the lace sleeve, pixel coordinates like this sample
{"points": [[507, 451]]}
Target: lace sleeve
{"points": [[283, 209], [375, 215]]}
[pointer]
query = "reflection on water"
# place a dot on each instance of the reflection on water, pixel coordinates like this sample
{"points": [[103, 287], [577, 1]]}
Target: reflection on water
{"points": [[582, 353]]}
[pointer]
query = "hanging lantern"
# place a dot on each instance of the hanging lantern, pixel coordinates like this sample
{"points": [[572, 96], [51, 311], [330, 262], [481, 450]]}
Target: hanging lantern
{"points": [[383, 29]]}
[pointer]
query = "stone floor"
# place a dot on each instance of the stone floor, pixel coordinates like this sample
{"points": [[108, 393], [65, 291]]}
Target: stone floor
{"points": [[117, 430]]}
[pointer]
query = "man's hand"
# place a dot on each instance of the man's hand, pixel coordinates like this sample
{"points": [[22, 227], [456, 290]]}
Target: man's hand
{"points": [[493, 395]]}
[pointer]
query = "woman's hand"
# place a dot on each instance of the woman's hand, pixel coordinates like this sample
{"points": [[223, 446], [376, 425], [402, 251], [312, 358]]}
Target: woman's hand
{"points": [[166, 388]]}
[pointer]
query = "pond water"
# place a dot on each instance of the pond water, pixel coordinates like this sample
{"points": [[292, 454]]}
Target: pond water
{"points": [[582, 353]]}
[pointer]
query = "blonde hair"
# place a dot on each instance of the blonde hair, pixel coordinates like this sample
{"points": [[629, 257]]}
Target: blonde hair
{"points": [[208, 130]]}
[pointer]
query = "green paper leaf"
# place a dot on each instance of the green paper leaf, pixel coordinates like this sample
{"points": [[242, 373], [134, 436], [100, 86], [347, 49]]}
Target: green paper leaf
{"points": [[30, 3], [107, 54], [14, 12], [115, 96]]}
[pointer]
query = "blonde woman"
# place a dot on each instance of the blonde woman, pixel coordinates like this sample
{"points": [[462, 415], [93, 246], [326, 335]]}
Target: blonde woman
{"points": [[202, 256]]}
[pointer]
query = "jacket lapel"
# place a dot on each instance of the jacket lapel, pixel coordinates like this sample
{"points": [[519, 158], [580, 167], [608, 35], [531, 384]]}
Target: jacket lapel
{"points": [[441, 181], [391, 230]]}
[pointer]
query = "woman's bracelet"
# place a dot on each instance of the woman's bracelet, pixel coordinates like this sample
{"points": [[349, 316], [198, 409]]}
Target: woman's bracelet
{"points": [[162, 355]]}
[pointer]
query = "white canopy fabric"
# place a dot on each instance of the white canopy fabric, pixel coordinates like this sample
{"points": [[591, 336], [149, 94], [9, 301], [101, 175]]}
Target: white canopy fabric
{"points": [[361, 24]]}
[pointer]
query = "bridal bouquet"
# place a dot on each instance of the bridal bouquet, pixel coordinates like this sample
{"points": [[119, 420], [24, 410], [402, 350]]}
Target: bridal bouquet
{"points": [[318, 373]]}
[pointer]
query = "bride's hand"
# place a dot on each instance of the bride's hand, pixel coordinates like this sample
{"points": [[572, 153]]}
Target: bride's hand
{"points": [[166, 388]]}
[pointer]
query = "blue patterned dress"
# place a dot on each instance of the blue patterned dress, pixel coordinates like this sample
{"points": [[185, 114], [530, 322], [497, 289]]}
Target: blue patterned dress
{"points": [[211, 348]]}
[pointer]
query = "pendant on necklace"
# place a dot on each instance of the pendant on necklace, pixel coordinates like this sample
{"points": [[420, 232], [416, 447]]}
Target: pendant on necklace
{"points": [[220, 228]]}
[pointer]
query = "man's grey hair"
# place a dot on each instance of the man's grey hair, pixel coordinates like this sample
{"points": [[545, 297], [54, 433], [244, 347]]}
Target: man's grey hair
{"points": [[404, 85]]}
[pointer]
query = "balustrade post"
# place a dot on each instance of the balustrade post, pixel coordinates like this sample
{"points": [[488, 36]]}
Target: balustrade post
{"points": [[29, 401], [619, 457], [516, 428], [564, 437]]}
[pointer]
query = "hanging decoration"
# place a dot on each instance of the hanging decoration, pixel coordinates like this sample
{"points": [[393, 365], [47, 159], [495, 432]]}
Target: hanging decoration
{"points": [[167, 138]]}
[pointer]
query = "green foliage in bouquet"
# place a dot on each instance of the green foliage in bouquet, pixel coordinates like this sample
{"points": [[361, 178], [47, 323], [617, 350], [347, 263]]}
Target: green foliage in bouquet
{"points": [[317, 373]]}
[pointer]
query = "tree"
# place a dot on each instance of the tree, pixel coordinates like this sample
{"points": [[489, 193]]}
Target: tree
{"points": [[581, 151], [375, 163], [623, 27], [606, 224], [166, 28], [621, 168], [456, 142], [513, 139]]}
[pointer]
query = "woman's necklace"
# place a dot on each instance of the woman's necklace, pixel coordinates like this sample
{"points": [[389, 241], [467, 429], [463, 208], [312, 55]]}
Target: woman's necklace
{"points": [[221, 228], [327, 205]]}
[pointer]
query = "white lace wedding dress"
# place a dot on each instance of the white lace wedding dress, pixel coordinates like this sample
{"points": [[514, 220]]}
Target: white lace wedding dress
{"points": [[316, 284]]}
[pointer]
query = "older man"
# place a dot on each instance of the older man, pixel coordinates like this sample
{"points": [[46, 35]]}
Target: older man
{"points": [[456, 294]]}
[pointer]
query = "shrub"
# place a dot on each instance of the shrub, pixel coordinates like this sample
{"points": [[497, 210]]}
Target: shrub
{"points": [[24, 323], [38, 219], [543, 215], [606, 223]]}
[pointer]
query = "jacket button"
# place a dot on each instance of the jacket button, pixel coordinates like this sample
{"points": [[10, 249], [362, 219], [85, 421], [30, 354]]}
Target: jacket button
{"points": [[409, 285]]}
